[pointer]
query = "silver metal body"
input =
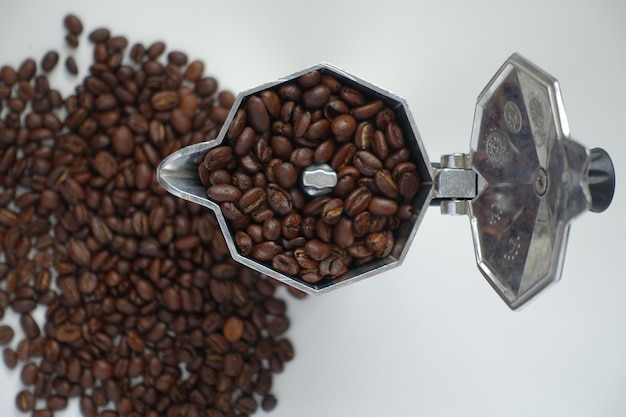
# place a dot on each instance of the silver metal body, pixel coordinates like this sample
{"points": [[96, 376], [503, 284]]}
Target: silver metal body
{"points": [[532, 181], [521, 184]]}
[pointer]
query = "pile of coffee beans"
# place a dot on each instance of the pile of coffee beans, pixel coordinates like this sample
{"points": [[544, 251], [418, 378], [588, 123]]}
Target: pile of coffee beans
{"points": [[255, 176], [146, 314]]}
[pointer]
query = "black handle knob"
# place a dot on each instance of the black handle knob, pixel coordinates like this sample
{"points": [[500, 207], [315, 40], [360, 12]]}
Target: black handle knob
{"points": [[601, 180]]}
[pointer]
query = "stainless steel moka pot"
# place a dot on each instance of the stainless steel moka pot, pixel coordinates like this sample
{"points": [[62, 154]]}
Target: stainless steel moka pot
{"points": [[521, 183]]}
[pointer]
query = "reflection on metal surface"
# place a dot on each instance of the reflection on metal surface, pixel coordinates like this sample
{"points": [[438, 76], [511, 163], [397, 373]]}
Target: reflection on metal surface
{"points": [[318, 179], [535, 179]]}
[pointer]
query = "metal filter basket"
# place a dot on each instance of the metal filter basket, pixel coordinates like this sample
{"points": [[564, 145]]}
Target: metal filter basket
{"points": [[521, 183]]}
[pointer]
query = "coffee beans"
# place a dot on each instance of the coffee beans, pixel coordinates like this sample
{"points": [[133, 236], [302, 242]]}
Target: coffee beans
{"points": [[71, 66], [73, 24], [6, 335], [281, 131], [145, 312], [49, 61]]}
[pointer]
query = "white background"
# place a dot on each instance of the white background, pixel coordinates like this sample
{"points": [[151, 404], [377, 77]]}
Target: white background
{"points": [[429, 338]]}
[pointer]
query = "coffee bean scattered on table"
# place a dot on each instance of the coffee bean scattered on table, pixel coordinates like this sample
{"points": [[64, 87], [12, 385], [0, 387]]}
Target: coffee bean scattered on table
{"points": [[146, 314], [275, 137]]}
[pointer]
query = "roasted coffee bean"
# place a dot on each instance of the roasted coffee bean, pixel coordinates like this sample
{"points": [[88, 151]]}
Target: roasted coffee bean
{"points": [[323, 230], [25, 401], [324, 152], [71, 66], [310, 79], [301, 157], [224, 192], [334, 108], [8, 75], [272, 103], [379, 144], [287, 175], [291, 225], [367, 163], [194, 71], [252, 199], [218, 158], [343, 125], [332, 211], [155, 50], [88, 407], [312, 276], [343, 234], [408, 184], [304, 260], [364, 136], [316, 97], [395, 138], [71, 40], [290, 92], [68, 333], [30, 326], [271, 168], [27, 70], [265, 251], [308, 227], [317, 249], [396, 158], [357, 201], [317, 130], [352, 97], [257, 114], [386, 183], [262, 151], [79, 253], [73, 24], [244, 142], [102, 370], [362, 223], [49, 61], [368, 110], [164, 100], [281, 147], [10, 358], [343, 156], [206, 87], [380, 206], [268, 403], [271, 229], [302, 124], [116, 43], [29, 374], [177, 58], [6, 335], [246, 405], [278, 199], [233, 329], [56, 402], [122, 141], [99, 35], [359, 250], [285, 264]]}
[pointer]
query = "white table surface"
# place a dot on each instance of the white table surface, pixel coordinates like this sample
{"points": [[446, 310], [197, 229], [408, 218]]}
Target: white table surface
{"points": [[430, 338]]}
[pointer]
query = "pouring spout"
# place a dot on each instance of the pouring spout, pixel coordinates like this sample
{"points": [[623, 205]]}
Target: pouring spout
{"points": [[178, 173]]}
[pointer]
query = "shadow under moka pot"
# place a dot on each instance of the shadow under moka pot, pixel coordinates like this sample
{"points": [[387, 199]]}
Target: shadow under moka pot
{"points": [[321, 179]]}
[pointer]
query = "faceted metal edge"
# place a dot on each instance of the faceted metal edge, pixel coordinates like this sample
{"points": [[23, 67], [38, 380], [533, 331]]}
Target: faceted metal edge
{"points": [[516, 62], [177, 172]]}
